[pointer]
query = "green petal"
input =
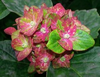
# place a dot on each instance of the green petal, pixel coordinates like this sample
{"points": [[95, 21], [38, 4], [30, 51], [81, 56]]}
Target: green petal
{"points": [[83, 41], [53, 43]]}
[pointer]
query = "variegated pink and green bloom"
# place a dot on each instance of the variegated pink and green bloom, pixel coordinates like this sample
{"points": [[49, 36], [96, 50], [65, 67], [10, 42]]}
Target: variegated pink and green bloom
{"points": [[42, 33], [58, 9], [22, 44], [62, 60], [43, 61], [67, 33], [28, 24], [39, 49]]}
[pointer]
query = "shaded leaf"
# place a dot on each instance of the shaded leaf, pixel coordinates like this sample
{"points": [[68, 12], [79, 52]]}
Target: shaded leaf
{"points": [[17, 6], [91, 19], [3, 10], [82, 65], [9, 66]]}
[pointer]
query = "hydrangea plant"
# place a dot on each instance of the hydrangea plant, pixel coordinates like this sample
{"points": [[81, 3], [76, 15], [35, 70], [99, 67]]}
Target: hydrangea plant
{"points": [[48, 35]]}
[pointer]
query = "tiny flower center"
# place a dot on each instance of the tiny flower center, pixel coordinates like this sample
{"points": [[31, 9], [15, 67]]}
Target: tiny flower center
{"points": [[66, 36], [43, 30], [25, 45], [45, 59], [32, 23], [62, 59]]}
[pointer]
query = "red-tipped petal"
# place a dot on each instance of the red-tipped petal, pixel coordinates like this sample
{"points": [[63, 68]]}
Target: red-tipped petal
{"points": [[66, 44], [62, 60], [58, 9], [9, 30], [69, 13], [23, 54], [43, 33], [26, 9], [44, 6], [17, 44], [72, 30]]}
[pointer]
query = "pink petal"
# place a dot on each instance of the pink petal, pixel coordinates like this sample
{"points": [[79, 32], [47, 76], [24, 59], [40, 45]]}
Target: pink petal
{"points": [[63, 60], [58, 9], [26, 27], [36, 39], [43, 33], [53, 25], [69, 56], [44, 6], [66, 44], [43, 61], [70, 26], [23, 54], [26, 9], [69, 13], [39, 49], [9, 30], [29, 22], [72, 30], [54, 18], [29, 57], [17, 44]]}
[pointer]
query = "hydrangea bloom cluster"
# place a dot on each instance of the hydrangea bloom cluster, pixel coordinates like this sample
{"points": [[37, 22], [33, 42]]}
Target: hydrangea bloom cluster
{"points": [[30, 38]]}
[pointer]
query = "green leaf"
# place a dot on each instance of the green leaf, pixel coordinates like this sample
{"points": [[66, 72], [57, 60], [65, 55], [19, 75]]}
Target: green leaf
{"points": [[83, 41], [59, 25], [53, 42], [9, 66], [97, 41], [82, 65], [3, 10], [31, 69], [17, 6], [91, 19]]}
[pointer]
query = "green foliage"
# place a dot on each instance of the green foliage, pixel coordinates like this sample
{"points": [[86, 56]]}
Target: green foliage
{"points": [[9, 66], [3, 11], [91, 19], [82, 65], [17, 6], [53, 42]]}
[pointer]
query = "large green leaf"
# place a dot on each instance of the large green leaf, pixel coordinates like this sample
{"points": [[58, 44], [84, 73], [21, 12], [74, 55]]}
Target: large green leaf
{"points": [[3, 10], [9, 66], [17, 6], [82, 65], [83, 41], [53, 42], [91, 19]]}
